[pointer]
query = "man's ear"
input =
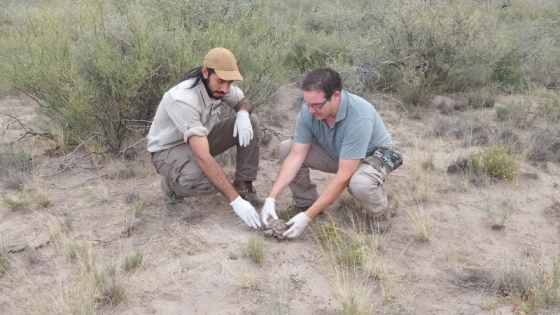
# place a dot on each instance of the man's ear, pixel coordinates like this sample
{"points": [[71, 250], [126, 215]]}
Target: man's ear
{"points": [[337, 94], [204, 72]]}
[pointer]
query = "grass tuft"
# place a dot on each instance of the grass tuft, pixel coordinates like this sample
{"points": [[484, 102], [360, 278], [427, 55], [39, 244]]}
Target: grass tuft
{"points": [[256, 248], [133, 260], [15, 166], [4, 261]]}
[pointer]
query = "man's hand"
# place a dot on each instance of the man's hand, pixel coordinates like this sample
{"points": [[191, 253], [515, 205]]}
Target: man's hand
{"points": [[298, 223], [246, 212], [268, 210], [243, 127]]}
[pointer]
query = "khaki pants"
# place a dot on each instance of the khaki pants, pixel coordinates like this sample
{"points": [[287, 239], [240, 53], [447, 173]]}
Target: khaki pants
{"points": [[187, 179], [365, 185]]}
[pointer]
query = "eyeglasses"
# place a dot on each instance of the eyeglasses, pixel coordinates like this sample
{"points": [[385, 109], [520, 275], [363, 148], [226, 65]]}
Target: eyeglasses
{"points": [[317, 106]]}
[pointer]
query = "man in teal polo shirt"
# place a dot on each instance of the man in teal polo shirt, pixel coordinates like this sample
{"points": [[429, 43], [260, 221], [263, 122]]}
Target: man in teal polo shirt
{"points": [[336, 132]]}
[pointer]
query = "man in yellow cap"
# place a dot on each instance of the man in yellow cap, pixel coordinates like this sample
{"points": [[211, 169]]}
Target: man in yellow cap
{"points": [[185, 136]]}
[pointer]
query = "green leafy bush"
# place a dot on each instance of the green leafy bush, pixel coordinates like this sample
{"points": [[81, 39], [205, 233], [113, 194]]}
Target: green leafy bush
{"points": [[495, 161], [507, 72]]}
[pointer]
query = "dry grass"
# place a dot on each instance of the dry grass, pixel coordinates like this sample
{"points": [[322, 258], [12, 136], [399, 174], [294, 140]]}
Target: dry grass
{"points": [[420, 222], [237, 273], [256, 248], [497, 213], [4, 260], [530, 286], [133, 260]]}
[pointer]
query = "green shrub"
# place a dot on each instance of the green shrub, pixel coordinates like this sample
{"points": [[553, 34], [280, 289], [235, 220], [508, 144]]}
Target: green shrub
{"points": [[507, 72], [99, 70], [495, 161]]}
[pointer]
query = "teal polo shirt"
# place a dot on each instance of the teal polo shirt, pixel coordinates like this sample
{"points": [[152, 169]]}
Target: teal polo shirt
{"points": [[357, 131]]}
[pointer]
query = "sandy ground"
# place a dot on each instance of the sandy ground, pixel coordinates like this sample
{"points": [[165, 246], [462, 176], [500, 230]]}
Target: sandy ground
{"points": [[187, 264]]}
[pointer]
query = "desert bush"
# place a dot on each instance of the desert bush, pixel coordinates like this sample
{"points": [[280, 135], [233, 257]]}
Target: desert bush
{"points": [[507, 72], [15, 166], [95, 69], [495, 162]]}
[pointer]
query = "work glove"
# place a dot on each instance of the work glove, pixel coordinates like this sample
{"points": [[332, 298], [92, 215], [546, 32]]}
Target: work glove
{"points": [[243, 128], [298, 223], [246, 212], [268, 210]]}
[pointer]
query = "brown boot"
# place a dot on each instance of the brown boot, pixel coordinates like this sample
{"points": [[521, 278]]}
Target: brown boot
{"points": [[383, 223], [173, 203], [246, 190]]}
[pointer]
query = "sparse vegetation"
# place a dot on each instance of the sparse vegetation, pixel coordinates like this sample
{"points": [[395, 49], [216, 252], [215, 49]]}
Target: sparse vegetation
{"points": [[4, 261], [238, 274], [15, 203], [256, 248], [497, 214], [495, 162], [133, 260], [15, 166], [530, 286], [420, 223]]}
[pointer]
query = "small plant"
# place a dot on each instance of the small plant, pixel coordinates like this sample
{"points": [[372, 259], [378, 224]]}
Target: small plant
{"points": [[78, 251], [495, 162], [238, 275], [4, 261], [44, 201], [256, 248], [15, 166], [133, 260], [16, 204], [420, 223], [497, 215], [343, 245], [113, 288], [139, 207], [502, 112]]}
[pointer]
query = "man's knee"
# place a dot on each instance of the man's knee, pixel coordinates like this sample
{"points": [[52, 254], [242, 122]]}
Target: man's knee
{"points": [[284, 149], [370, 192]]}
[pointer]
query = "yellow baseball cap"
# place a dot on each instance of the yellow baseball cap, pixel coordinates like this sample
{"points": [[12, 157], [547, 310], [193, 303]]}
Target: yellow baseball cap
{"points": [[224, 63]]}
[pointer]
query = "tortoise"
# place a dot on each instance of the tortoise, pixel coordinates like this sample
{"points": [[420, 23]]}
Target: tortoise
{"points": [[275, 228]]}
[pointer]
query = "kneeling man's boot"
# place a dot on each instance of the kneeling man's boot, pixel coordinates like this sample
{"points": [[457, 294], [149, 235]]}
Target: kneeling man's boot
{"points": [[246, 190]]}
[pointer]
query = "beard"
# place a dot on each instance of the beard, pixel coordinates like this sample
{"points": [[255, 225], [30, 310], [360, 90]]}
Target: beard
{"points": [[213, 94]]}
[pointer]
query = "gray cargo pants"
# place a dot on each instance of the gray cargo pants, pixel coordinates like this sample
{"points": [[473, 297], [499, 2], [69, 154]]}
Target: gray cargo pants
{"points": [[187, 179], [365, 185]]}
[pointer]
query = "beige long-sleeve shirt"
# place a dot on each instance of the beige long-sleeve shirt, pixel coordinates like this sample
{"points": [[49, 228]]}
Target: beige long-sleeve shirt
{"points": [[184, 112]]}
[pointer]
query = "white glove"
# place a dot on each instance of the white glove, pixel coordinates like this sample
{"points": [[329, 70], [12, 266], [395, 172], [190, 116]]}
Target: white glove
{"points": [[298, 223], [268, 210], [246, 212], [243, 127]]}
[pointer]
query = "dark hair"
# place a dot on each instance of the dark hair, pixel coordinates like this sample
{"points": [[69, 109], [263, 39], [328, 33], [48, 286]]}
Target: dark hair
{"points": [[326, 80], [197, 74]]}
